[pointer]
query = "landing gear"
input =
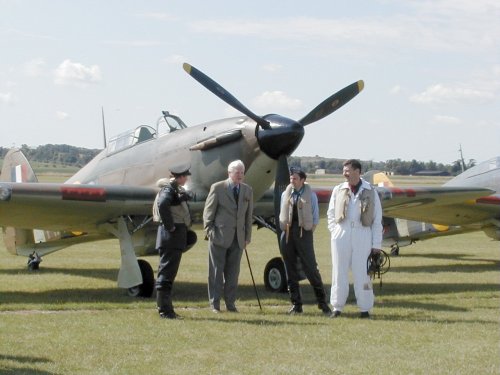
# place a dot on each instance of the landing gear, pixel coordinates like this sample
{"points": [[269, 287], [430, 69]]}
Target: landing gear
{"points": [[135, 275], [395, 249], [148, 280], [34, 261], [275, 276]]}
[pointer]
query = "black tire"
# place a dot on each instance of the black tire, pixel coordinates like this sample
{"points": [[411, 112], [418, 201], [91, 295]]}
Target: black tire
{"points": [[145, 289], [275, 276]]}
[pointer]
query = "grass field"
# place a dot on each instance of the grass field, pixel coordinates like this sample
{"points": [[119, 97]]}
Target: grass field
{"points": [[437, 313]]}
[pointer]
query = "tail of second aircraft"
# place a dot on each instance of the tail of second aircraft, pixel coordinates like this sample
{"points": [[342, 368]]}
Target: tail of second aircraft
{"points": [[31, 242], [16, 168]]}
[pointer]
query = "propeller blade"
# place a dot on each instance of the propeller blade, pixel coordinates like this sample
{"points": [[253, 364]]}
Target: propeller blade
{"points": [[281, 181], [333, 103], [222, 93]]}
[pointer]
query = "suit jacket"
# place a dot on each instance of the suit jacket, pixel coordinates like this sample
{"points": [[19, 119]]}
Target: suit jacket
{"points": [[222, 217]]}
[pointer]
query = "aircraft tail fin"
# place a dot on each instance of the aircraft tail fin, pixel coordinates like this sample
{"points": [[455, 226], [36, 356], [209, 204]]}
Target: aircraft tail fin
{"points": [[378, 178], [16, 168]]}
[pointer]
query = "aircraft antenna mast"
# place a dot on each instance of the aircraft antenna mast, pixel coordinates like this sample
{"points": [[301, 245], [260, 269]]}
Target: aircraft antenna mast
{"points": [[103, 127], [462, 161]]}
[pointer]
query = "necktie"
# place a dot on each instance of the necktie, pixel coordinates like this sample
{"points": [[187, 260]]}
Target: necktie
{"points": [[235, 194]]}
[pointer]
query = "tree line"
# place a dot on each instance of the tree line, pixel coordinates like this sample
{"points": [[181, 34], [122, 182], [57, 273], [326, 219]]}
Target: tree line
{"points": [[396, 166], [79, 156], [56, 154]]}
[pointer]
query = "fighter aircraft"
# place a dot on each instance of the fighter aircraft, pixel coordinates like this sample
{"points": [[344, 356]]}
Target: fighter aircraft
{"points": [[113, 194], [111, 197]]}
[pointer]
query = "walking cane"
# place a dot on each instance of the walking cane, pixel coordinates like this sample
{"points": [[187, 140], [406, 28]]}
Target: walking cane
{"points": [[253, 281]]}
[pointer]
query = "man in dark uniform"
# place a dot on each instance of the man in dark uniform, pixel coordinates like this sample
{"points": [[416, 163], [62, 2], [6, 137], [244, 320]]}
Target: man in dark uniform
{"points": [[172, 239], [299, 216]]}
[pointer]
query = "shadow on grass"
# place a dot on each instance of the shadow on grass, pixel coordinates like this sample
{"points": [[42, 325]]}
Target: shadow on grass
{"points": [[24, 360], [196, 292], [424, 288], [272, 322], [183, 291], [426, 318], [458, 263], [96, 273]]}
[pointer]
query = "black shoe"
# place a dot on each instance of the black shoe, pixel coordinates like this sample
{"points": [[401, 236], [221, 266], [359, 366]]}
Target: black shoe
{"points": [[296, 309], [364, 315], [170, 315], [232, 309], [325, 309], [335, 314]]}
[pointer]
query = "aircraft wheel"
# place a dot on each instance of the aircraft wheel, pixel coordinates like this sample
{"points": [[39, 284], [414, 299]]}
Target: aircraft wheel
{"points": [[144, 290], [395, 250], [275, 276], [33, 266]]}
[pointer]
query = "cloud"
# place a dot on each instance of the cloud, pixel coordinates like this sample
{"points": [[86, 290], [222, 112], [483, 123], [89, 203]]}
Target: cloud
{"points": [[175, 59], [395, 90], [35, 67], [447, 119], [76, 74], [7, 98], [272, 67], [133, 43], [298, 28], [276, 100], [441, 25], [60, 115], [158, 16], [440, 93]]}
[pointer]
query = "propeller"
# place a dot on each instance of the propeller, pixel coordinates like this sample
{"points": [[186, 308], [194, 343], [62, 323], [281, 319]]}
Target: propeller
{"points": [[222, 93], [278, 135], [334, 102]]}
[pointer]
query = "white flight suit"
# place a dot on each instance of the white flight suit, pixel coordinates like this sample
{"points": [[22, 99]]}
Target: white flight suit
{"points": [[351, 245]]}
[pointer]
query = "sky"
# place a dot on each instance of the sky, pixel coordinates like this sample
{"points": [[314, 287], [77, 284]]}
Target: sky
{"points": [[431, 71]]}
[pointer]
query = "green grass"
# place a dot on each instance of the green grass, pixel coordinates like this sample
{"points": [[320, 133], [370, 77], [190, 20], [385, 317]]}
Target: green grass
{"points": [[437, 313]]}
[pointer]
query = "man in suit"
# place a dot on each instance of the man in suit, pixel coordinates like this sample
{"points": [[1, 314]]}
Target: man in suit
{"points": [[227, 220]]}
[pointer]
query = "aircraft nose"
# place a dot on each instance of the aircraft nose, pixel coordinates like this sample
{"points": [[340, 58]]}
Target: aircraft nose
{"points": [[283, 136]]}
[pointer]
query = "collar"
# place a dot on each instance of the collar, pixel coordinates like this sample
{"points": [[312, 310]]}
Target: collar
{"points": [[355, 188], [363, 184]]}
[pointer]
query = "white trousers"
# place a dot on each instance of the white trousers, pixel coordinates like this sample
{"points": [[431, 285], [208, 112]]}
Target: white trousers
{"points": [[351, 246]]}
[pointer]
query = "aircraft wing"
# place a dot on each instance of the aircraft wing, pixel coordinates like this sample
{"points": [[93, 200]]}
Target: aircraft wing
{"points": [[440, 205], [65, 207]]}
